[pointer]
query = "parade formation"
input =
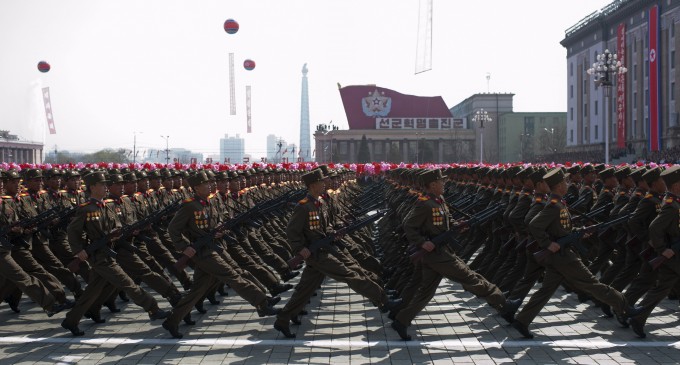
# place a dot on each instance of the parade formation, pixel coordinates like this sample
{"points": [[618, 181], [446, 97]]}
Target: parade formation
{"points": [[77, 239]]}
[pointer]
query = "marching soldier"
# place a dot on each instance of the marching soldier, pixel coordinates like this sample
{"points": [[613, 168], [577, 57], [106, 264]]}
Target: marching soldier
{"points": [[552, 223], [96, 220], [429, 218]]}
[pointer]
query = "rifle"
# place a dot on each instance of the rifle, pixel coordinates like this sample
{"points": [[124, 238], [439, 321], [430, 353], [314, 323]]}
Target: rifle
{"points": [[123, 233], [327, 242], [39, 221], [656, 262], [593, 213], [417, 253], [573, 239]]}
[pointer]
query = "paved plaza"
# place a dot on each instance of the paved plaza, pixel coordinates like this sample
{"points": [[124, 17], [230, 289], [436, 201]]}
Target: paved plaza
{"points": [[343, 328]]}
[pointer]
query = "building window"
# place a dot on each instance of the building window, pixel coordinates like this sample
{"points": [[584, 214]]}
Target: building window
{"points": [[672, 59], [634, 45], [646, 97], [672, 29], [646, 67], [571, 69], [585, 86], [596, 130], [585, 109], [635, 72], [672, 91], [571, 113], [595, 107], [571, 91], [571, 135], [634, 100]]}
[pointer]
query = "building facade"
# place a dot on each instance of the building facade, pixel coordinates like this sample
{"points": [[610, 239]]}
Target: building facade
{"points": [[531, 136], [13, 149], [640, 114], [232, 149]]}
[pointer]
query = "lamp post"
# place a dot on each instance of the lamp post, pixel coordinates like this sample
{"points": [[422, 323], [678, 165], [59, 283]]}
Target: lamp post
{"points": [[167, 150], [604, 69], [480, 117], [553, 149]]}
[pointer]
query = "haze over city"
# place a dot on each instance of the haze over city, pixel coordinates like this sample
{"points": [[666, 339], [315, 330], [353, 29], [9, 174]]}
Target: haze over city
{"points": [[161, 67]]}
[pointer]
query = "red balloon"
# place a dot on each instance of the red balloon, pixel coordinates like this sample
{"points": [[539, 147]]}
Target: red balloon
{"points": [[249, 64], [231, 26], [43, 66]]}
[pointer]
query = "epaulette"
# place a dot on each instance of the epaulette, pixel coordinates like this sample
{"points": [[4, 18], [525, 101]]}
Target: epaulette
{"points": [[174, 190], [138, 193], [605, 190], [538, 199], [637, 193], [6, 197], [554, 201], [303, 201], [84, 204], [526, 193], [188, 200], [23, 194], [42, 192], [649, 195], [63, 191], [622, 193], [210, 196], [669, 200], [108, 201], [517, 193], [423, 198]]}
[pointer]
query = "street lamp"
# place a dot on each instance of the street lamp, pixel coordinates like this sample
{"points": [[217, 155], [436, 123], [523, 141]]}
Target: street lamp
{"points": [[604, 69], [167, 150], [480, 117], [552, 148]]}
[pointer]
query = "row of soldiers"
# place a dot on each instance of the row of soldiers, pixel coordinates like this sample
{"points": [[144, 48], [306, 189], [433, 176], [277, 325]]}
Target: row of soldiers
{"points": [[116, 229], [497, 232]]}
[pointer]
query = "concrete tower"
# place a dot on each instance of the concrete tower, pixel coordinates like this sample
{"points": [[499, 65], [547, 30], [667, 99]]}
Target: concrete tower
{"points": [[305, 150]]}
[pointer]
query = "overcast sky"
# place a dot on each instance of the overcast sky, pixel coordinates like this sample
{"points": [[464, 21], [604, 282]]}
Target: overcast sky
{"points": [[160, 67]]}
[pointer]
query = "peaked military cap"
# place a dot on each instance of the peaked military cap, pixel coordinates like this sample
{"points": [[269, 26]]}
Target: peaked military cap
{"points": [[652, 175], [198, 178], [95, 177], [555, 176], [607, 173], [312, 177], [431, 175], [671, 175], [33, 174]]}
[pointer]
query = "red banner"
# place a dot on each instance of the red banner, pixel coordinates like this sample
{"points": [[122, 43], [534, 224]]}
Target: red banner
{"points": [[48, 110], [621, 88], [654, 130]]}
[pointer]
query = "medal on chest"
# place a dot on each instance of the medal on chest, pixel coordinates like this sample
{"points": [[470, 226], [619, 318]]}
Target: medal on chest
{"points": [[93, 216], [565, 220], [314, 220], [201, 219], [438, 215]]}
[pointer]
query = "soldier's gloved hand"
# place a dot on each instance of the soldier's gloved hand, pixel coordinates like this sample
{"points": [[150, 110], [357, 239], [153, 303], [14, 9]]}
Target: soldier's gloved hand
{"points": [[219, 234], [189, 251], [82, 255], [668, 253], [554, 247], [17, 229], [428, 246], [305, 253]]}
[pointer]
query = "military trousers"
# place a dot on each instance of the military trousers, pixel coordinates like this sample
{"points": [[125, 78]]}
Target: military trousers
{"points": [[13, 275], [106, 273], [443, 263], [209, 269], [44, 256], [25, 259], [567, 266]]}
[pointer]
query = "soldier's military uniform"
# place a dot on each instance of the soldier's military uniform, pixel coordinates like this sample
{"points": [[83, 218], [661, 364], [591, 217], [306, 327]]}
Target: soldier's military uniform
{"points": [[306, 225], [429, 218], [664, 234], [195, 219], [552, 223], [11, 272], [96, 220]]}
